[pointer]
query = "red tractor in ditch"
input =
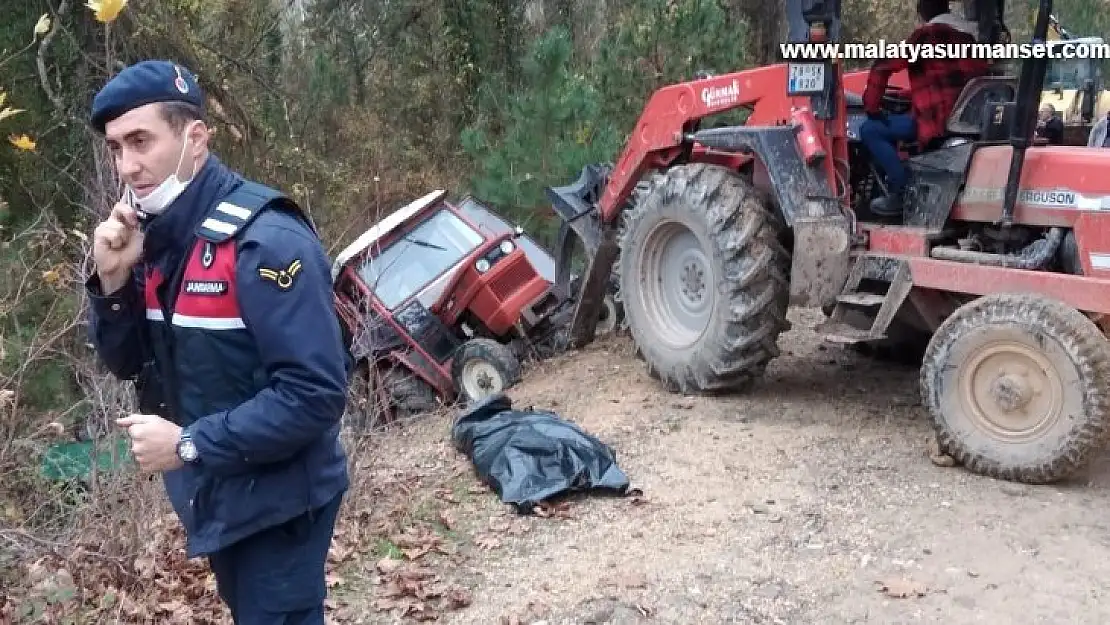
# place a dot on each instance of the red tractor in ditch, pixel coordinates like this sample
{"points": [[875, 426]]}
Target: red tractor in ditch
{"points": [[444, 300], [1000, 268]]}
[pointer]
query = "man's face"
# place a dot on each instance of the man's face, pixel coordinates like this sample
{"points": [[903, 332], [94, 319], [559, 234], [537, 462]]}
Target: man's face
{"points": [[146, 149], [1046, 114]]}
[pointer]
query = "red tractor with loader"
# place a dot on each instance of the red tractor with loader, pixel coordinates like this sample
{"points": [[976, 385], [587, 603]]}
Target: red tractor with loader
{"points": [[1000, 268], [443, 301]]}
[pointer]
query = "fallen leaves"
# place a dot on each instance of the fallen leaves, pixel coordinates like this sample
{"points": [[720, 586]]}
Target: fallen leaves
{"points": [[418, 541], [447, 495], [559, 510], [487, 542], [447, 519], [411, 590], [157, 585]]}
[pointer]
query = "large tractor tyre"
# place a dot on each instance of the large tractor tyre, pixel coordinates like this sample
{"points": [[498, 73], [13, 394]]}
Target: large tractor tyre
{"points": [[704, 279], [1016, 387], [410, 394], [483, 367], [628, 210]]}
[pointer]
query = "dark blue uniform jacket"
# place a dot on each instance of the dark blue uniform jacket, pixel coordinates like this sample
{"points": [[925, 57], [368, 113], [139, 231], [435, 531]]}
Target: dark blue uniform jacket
{"points": [[248, 358]]}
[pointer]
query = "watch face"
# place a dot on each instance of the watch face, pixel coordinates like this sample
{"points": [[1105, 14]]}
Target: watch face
{"points": [[187, 450]]}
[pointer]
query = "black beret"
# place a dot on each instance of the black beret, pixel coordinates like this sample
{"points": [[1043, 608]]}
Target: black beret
{"points": [[141, 84]]}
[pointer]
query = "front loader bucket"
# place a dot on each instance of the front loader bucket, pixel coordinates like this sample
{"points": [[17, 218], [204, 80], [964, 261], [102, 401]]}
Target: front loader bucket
{"points": [[576, 204]]}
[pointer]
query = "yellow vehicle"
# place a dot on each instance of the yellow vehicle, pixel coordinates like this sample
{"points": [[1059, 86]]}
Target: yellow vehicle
{"points": [[1074, 87]]}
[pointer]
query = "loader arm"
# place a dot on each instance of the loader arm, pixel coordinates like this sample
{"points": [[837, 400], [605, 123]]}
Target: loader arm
{"points": [[661, 136], [676, 110]]}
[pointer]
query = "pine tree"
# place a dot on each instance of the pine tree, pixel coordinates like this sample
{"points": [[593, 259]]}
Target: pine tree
{"points": [[551, 126]]}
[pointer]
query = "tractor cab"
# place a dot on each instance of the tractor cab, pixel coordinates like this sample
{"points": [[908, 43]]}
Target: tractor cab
{"points": [[442, 299]]}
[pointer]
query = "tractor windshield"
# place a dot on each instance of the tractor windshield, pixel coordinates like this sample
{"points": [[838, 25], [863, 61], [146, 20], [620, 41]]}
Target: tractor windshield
{"points": [[414, 260]]}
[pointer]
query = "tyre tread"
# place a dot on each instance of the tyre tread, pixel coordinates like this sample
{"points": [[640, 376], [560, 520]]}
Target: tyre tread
{"points": [[1087, 348], [746, 236]]}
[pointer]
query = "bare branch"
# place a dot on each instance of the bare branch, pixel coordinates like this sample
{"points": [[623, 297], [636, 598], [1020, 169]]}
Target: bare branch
{"points": [[40, 60]]}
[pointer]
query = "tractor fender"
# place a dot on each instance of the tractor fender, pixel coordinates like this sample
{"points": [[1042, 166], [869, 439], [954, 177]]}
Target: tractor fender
{"points": [[821, 231]]}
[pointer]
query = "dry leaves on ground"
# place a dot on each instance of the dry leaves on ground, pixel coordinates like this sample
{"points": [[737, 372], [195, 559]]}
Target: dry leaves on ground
{"points": [[411, 590], [559, 510], [418, 541], [159, 585]]}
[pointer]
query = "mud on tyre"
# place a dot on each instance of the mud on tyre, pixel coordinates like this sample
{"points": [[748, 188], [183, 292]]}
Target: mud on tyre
{"points": [[1016, 387], [704, 279]]}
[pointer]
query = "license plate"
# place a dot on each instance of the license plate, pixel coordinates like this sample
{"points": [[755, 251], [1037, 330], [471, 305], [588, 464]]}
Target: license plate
{"points": [[805, 78]]}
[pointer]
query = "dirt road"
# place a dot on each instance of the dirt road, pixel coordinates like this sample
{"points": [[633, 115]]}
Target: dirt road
{"points": [[797, 503]]}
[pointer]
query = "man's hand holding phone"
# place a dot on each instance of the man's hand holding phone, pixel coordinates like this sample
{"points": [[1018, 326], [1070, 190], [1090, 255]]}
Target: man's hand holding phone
{"points": [[117, 245]]}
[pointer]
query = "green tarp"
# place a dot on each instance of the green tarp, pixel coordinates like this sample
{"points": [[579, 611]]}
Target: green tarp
{"points": [[68, 461]]}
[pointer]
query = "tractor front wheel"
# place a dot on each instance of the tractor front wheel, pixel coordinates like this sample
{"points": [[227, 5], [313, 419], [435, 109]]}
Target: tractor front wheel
{"points": [[409, 393], [704, 279], [483, 367], [1016, 387]]}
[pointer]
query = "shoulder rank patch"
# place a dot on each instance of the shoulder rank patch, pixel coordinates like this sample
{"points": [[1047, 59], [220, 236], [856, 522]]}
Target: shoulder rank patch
{"points": [[282, 277]]}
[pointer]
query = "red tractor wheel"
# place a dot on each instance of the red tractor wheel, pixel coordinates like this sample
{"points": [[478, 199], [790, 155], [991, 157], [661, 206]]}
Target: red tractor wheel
{"points": [[704, 279], [1016, 387]]}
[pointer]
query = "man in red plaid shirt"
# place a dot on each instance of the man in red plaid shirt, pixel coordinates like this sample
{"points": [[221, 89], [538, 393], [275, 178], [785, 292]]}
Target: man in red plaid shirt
{"points": [[935, 84]]}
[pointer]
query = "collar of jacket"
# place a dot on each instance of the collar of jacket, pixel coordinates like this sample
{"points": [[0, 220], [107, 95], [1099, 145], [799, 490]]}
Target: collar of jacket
{"points": [[169, 235]]}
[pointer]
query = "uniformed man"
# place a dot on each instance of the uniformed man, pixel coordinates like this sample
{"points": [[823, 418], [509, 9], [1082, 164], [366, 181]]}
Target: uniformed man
{"points": [[213, 294]]}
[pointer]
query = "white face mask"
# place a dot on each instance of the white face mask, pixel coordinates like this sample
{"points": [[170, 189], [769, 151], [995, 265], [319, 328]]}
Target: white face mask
{"points": [[164, 194]]}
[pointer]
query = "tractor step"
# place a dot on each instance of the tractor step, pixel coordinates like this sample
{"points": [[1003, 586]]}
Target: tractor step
{"points": [[863, 315], [842, 333], [862, 299]]}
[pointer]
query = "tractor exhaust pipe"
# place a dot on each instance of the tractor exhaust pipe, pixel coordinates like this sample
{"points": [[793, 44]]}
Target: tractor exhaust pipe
{"points": [[1025, 113], [1035, 256]]}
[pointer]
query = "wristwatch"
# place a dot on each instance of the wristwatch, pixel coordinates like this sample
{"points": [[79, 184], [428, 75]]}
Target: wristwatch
{"points": [[186, 448]]}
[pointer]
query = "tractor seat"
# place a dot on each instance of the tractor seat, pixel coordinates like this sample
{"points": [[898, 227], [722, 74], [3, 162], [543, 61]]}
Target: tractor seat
{"points": [[966, 118]]}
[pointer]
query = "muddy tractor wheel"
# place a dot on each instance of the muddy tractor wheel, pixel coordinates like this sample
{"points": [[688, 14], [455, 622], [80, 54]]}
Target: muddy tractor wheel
{"points": [[1016, 387], [704, 279], [409, 394], [483, 367]]}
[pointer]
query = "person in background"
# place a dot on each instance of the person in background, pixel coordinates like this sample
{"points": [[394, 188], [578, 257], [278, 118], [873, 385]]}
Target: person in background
{"points": [[213, 294], [1099, 137], [1049, 125]]}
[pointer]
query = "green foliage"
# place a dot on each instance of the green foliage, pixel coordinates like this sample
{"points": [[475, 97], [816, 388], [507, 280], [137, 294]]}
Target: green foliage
{"points": [[553, 125], [661, 42], [565, 113]]}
